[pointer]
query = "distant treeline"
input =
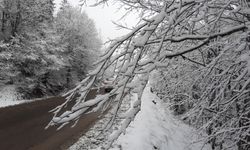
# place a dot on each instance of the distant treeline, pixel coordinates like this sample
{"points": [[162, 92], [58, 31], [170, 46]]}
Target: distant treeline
{"points": [[41, 52]]}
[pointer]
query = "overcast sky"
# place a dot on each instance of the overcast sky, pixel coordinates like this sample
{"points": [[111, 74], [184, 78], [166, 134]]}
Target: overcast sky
{"points": [[103, 17]]}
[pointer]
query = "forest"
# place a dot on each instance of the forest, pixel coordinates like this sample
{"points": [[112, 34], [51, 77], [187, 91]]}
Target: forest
{"points": [[44, 52], [194, 53]]}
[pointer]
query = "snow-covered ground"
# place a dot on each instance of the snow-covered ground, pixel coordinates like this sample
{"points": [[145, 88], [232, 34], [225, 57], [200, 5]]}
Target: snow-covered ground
{"points": [[153, 128], [9, 96]]}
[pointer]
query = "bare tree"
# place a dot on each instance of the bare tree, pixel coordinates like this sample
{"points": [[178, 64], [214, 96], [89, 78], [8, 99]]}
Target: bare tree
{"points": [[168, 29]]}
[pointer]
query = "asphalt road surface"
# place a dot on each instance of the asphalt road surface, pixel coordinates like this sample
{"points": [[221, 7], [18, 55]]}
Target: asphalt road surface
{"points": [[22, 126]]}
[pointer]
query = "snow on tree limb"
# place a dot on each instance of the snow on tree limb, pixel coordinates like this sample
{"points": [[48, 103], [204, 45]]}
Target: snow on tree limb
{"points": [[177, 29]]}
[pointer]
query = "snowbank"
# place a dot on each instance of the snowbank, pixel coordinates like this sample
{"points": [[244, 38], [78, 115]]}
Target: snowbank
{"points": [[153, 128], [156, 128], [9, 96]]}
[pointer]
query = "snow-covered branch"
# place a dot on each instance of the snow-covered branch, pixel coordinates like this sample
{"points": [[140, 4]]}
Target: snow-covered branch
{"points": [[187, 30]]}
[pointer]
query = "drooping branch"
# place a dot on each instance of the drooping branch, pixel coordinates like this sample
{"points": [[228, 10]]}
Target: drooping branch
{"points": [[173, 29]]}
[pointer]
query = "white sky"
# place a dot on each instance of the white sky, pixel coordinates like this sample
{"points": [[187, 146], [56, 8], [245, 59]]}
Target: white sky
{"points": [[103, 17]]}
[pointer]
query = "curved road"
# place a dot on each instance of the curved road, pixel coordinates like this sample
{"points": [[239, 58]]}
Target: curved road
{"points": [[22, 126]]}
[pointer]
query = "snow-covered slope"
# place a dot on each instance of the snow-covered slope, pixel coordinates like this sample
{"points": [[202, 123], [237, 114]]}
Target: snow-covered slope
{"points": [[9, 96], [153, 128], [156, 128]]}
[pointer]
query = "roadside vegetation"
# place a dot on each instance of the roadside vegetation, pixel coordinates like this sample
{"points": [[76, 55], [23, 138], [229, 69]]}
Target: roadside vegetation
{"points": [[42, 52], [198, 51]]}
